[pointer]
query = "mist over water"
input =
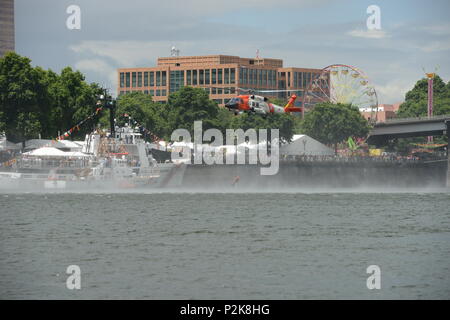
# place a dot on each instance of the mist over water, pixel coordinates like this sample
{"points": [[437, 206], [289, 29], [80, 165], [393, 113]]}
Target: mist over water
{"points": [[195, 245]]}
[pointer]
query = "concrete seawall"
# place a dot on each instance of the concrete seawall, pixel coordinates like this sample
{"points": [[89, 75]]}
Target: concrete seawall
{"points": [[327, 175]]}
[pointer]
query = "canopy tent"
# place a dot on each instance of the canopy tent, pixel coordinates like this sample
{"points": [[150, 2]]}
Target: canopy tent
{"points": [[53, 152], [60, 144], [302, 144]]}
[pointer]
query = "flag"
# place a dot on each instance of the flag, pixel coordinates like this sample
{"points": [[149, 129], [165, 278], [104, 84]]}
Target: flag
{"points": [[351, 144]]}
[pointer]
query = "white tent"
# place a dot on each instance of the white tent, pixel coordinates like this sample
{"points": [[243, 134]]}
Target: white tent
{"points": [[60, 144], [52, 152], [302, 144]]}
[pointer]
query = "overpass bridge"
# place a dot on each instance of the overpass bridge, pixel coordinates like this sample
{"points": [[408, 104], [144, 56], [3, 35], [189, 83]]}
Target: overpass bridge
{"points": [[412, 127]]}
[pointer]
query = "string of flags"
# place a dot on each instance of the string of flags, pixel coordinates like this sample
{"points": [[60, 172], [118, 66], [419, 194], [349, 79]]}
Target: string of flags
{"points": [[9, 162], [152, 136], [69, 132], [77, 126], [61, 137]]}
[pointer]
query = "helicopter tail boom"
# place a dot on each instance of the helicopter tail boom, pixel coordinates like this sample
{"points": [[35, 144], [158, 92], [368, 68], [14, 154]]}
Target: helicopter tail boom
{"points": [[290, 107]]}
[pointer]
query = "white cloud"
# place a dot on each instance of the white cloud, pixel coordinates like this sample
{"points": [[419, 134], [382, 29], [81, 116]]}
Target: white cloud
{"points": [[438, 30], [435, 46], [101, 69], [369, 34], [394, 91], [128, 53]]}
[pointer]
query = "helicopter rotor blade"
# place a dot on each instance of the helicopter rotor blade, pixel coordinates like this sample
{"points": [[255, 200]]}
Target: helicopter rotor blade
{"points": [[284, 90]]}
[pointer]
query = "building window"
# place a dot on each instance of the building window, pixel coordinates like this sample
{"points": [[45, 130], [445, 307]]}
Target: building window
{"points": [[122, 79], [213, 90], [207, 76], [152, 92], [158, 78], [164, 81], [133, 79], [220, 76], [214, 76], [233, 76], [308, 78], [188, 77], [145, 91], [194, 77], [152, 79], [226, 76], [139, 79], [158, 93], [146, 79], [127, 82], [176, 80], [164, 92], [218, 101], [201, 77]]}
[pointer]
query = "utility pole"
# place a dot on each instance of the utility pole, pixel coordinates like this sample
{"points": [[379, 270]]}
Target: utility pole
{"points": [[109, 103], [430, 77]]}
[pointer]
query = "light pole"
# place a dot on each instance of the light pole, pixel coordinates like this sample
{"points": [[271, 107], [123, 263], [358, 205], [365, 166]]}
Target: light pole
{"points": [[430, 77], [109, 103]]}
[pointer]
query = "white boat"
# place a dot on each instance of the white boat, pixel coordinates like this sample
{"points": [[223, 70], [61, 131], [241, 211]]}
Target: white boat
{"points": [[104, 163]]}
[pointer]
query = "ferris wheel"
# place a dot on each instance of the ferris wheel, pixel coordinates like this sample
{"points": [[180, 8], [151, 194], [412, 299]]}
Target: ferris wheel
{"points": [[344, 84]]}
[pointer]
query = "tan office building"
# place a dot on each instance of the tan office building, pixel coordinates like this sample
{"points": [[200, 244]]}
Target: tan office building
{"points": [[6, 26], [219, 75]]}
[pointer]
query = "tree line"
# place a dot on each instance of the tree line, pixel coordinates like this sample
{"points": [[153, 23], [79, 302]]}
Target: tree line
{"points": [[36, 102]]}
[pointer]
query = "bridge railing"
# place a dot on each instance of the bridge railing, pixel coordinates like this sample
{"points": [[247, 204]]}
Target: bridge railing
{"points": [[401, 120], [363, 159]]}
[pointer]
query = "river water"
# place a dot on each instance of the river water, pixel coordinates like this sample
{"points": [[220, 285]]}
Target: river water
{"points": [[225, 245]]}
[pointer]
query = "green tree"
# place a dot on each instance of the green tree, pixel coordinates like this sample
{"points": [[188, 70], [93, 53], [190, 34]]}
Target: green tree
{"points": [[416, 105], [188, 105], [279, 101], [140, 108], [284, 122], [416, 100], [21, 89], [73, 100], [333, 123], [37, 102]]}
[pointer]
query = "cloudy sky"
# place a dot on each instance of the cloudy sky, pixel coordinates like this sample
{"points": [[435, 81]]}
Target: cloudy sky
{"points": [[414, 35]]}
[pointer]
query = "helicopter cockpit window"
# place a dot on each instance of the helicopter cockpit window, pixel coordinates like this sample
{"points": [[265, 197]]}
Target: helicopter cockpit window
{"points": [[235, 100]]}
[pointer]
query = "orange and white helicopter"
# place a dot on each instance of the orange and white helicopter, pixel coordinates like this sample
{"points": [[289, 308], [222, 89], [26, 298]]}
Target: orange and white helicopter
{"points": [[260, 104]]}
